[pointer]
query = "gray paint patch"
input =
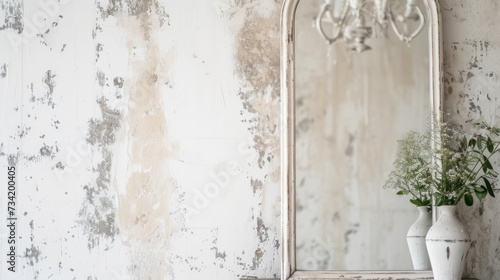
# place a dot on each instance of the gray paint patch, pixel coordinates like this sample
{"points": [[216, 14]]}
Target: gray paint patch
{"points": [[12, 160], [13, 16], [98, 212], [49, 81], [3, 71], [118, 81], [256, 185], [102, 131], [101, 78], [135, 8], [220, 255], [32, 254], [49, 151], [262, 230], [257, 259], [258, 64]]}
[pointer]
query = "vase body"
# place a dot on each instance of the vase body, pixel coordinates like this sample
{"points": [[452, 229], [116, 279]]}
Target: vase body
{"points": [[448, 244], [416, 240]]}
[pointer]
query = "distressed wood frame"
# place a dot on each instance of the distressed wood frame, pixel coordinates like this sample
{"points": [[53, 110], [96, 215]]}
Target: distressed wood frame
{"points": [[288, 262]]}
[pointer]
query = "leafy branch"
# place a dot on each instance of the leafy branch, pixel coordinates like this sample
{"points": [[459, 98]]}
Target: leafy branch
{"points": [[466, 168]]}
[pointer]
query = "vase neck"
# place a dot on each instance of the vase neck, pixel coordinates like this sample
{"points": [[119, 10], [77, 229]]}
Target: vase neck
{"points": [[423, 209], [448, 210]]}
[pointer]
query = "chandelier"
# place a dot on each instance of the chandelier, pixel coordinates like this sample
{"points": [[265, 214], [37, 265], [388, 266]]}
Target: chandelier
{"points": [[354, 21]]}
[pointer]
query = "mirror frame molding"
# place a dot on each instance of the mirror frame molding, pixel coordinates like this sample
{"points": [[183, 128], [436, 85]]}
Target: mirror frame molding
{"points": [[288, 243]]}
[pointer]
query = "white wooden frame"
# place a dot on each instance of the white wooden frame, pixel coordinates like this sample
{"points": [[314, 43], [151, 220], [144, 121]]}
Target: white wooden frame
{"points": [[288, 261]]}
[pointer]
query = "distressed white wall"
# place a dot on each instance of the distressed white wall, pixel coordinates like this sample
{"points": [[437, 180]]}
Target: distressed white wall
{"points": [[472, 91], [145, 137], [99, 100]]}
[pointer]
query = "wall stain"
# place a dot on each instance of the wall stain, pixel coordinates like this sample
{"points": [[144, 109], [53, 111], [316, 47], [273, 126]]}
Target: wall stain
{"points": [[257, 185], [98, 212], [262, 230], [49, 81], [102, 131], [257, 64], [257, 259], [13, 16], [101, 78], [118, 81], [13, 159], [257, 55], [49, 151], [3, 71], [32, 254], [143, 212]]}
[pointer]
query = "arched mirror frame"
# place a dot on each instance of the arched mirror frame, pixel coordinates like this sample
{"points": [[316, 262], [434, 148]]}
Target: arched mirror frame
{"points": [[288, 261]]}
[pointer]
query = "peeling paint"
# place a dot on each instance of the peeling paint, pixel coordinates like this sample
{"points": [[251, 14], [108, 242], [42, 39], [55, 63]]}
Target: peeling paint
{"points": [[13, 16], [98, 211], [102, 131], [258, 64], [3, 71], [262, 230], [49, 151], [257, 259], [32, 254]]}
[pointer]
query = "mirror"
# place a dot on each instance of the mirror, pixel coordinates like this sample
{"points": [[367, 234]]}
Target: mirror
{"points": [[345, 105]]}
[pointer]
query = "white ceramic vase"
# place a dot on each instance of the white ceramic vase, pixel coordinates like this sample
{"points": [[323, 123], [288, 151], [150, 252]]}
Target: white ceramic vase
{"points": [[416, 239], [448, 244]]}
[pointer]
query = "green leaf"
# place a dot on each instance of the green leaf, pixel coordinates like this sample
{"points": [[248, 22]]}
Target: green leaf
{"points": [[480, 194], [487, 163], [469, 200], [488, 187], [472, 142], [416, 202], [479, 142], [489, 145], [493, 173], [439, 201], [400, 193], [480, 189]]}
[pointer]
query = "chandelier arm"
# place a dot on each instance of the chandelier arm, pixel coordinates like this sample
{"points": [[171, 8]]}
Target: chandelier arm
{"points": [[400, 36], [319, 25], [404, 37], [420, 26]]}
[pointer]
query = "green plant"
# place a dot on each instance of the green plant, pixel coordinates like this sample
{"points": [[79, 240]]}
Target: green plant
{"points": [[411, 173], [465, 167]]}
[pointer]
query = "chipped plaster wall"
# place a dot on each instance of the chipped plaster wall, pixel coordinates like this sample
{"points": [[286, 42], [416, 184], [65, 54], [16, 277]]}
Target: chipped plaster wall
{"points": [[72, 84], [472, 91], [145, 136]]}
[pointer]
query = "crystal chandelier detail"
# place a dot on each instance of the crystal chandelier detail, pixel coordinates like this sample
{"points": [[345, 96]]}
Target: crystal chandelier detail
{"points": [[354, 21]]}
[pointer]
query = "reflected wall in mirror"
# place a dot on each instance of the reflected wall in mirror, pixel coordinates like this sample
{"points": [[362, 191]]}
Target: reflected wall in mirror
{"points": [[351, 108]]}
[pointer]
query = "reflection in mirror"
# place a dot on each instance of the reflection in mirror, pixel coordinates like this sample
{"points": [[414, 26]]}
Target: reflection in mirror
{"points": [[351, 108]]}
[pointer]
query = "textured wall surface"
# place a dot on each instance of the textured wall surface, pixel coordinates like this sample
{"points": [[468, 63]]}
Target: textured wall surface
{"points": [[472, 91], [146, 140], [145, 136]]}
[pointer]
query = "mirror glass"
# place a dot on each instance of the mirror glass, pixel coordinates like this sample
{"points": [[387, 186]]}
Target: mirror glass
{"points": [[351, 108]]}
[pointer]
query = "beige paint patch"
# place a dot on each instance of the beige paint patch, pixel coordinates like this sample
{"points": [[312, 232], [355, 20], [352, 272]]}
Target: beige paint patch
{"points": [[144, 212], [257, 57], [257, 63]]}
